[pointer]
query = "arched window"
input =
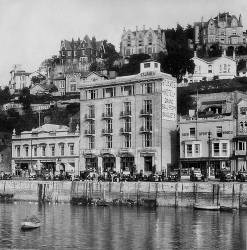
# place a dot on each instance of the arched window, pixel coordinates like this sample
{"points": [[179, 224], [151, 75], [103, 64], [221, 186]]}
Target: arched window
{"points": [[241, 124]]}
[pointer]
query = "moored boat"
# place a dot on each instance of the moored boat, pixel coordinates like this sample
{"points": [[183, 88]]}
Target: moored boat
{"points": [[30, 223], [227, 209], [206, 207]]}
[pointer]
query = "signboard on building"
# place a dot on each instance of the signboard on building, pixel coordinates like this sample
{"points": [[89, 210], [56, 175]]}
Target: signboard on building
{"points": [[169, 100]]}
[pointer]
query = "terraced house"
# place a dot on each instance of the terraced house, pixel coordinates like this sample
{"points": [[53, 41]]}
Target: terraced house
{"points": [[129, 123]]}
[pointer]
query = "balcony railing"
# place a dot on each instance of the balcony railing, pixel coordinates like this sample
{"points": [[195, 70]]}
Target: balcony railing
{"points": [[106, 131], [89, 132], [125, 130], [124, 114], [240, 152], [90, 116], [146, 112], [145, 130], [107, 115], [242, 131]]}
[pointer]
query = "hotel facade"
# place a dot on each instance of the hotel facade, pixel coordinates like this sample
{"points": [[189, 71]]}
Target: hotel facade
{"points": [[128, 124], [50, 147]]}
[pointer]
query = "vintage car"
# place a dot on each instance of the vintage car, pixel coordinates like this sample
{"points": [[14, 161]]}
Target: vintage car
{"points": [[174, 175], [226, 175], [196, 175], [241, 176]]}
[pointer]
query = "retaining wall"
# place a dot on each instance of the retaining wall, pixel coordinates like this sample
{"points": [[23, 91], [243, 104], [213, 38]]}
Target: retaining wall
{"points": [[180, 194]]}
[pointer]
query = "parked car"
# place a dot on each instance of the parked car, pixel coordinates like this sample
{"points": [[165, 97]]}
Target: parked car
{"points": [[226, 175], [32, 176], [241, 176], [196, 175], [174, 175]]}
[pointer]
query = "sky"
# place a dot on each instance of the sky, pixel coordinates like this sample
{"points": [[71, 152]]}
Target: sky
{"points": [[31, 30]]}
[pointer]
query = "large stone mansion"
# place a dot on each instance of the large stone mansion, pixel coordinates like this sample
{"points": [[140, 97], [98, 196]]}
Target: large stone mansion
{"points": [[147, 41], [225, 29]]}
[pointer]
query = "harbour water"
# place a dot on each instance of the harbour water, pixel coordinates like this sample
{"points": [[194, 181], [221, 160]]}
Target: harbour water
{"points": [[77, 227]]}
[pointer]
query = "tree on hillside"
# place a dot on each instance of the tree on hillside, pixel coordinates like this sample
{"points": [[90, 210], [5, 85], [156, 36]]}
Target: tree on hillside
{"points": [[177, 63], [25, 99], [241, 65], [178, 60], [5, 95], [133, 67], [37, 79], [184, 102], [214, 50], [110, 54]]}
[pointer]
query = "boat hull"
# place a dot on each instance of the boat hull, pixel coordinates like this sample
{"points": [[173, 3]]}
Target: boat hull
{"points": [[29, 225], [207, 207]]}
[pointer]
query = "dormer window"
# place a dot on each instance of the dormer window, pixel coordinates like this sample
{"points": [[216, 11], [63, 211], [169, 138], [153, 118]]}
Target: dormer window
{"points": [[108, 92]]}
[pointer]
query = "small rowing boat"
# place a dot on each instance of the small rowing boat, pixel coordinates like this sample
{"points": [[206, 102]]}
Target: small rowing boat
{"points": [[30, 223], [206, 207]]}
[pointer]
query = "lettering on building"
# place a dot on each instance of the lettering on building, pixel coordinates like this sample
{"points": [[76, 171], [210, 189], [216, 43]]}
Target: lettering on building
{"points": [[169, 99]]}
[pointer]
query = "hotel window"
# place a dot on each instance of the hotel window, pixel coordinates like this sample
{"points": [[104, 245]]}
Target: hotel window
{"points": [[149, 50], [148, 106], [43, 150], [219, 131], [148, 88], [91, 111], [216, 149], [61, 149], [127, 108], [109, 92], [210, 68], [69, 53], [35, 150], [127, 90], [197, 149], [108, 141], [127, 141], [241, 145], [188, 150], [148, 123], [146, 65], [224, 149], [71, 149], [148, 140], [192, 132], [108, 109], [91, 126], [52, 150], [26, 151], [91, 142], [127, 124], [18, 151], [109, 126], [92, 94]]}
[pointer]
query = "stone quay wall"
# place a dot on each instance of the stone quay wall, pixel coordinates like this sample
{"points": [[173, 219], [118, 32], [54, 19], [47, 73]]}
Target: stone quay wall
{"points": [[180, 194]]}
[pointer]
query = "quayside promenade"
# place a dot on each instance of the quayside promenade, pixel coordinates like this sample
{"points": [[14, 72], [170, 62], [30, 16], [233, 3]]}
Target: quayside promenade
{"points": [[181, 194]]}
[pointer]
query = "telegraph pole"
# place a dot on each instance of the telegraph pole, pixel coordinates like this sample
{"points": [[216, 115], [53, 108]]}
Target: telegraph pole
{"points": [[209, 153]]}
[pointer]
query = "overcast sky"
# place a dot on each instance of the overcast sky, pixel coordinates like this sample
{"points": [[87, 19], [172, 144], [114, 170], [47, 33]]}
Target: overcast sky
{"points": [[31, 30]]}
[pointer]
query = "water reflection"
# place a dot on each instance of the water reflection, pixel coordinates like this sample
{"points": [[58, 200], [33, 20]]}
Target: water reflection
{"points": [[65, 226]]}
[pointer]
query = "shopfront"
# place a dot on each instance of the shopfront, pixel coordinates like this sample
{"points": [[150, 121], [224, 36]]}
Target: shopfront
{"points": [[127, 163], [91, 162], [108, 162]]}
